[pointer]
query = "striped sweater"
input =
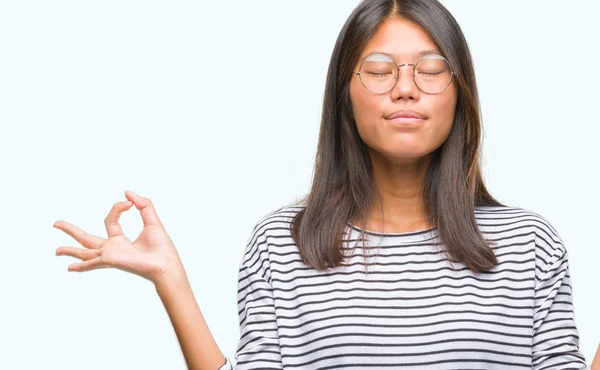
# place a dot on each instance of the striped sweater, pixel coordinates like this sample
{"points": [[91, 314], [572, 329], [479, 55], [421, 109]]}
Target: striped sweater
{"points": [[414, 309]]}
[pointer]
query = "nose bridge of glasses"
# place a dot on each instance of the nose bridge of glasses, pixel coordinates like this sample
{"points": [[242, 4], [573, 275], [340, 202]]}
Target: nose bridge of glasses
{"points": [[407, 64], [410, 76]]}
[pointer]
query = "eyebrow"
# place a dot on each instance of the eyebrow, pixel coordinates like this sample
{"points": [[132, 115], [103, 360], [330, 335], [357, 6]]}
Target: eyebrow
{"points": [[395, 56]]}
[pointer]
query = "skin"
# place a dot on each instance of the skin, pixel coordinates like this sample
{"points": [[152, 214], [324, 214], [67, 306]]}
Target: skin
{"points": [[152, 256], [595, 365], [401, 156]]}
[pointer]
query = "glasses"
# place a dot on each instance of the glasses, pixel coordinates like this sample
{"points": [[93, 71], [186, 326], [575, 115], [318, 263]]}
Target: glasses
{"points": [[378, 73]]}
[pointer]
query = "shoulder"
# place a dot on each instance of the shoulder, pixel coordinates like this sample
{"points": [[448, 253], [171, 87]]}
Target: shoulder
{"points": [[515, 219], [270, 231], [533, 228], [277, 220]]}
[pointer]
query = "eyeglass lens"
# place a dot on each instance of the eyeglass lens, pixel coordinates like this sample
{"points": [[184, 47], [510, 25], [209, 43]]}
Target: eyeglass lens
{"points": [[378, 73]]}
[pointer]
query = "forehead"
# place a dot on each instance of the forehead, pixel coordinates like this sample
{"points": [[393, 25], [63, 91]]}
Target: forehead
{"points": [[401, 39]]}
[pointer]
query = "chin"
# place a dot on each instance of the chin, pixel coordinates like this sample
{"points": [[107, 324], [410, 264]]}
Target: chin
{"points": [[403, 155]]}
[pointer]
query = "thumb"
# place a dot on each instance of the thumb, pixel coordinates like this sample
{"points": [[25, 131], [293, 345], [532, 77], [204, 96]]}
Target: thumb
{"points": [[146, 208]]}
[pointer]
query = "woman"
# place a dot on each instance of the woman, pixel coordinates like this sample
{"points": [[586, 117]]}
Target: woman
{"points": [[449, 278]]}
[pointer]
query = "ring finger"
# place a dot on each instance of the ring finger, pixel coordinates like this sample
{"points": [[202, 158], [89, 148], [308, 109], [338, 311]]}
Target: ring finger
{"points": [[82, 254]]}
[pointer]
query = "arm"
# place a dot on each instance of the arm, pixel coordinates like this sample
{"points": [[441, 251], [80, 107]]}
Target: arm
{"points": [[556, 338], [258, 346], [197, 343], [595, 365]]}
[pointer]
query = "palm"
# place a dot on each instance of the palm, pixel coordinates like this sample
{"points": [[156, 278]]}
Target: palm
{"points": [[150, 255]]}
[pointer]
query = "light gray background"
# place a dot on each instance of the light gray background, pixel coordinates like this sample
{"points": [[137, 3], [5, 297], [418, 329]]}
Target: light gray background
{"points": [[211, 109]]}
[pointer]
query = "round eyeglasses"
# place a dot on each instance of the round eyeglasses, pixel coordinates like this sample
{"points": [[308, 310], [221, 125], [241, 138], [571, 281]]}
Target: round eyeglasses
{"points": [[378, 73]]}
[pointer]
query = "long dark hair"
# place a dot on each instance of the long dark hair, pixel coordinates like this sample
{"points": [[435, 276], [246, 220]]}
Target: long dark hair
{"points": [[342, 185]]}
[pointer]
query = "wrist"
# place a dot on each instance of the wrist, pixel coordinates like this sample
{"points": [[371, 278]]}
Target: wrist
{"points": [[170, 278]]}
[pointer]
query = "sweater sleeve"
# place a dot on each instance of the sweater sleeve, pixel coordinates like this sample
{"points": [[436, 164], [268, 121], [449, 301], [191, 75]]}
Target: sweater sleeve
{"points": [[556, 337], [258, 345]]}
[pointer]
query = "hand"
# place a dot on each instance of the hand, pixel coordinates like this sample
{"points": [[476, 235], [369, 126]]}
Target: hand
{"points": [[152, 255]]}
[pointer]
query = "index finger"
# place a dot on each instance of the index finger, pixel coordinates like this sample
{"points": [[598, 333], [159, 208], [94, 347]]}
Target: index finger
{"points": [[113, 227], [146, 208]]}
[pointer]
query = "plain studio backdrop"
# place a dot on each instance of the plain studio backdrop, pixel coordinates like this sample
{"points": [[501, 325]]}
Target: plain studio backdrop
{"points": [[212, 110]]}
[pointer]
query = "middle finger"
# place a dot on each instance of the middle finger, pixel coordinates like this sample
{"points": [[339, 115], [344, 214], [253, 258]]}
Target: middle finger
{"points": [[85, 239]]}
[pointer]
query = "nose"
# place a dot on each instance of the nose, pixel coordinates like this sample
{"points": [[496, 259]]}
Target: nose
{"points": [[405, 85]]}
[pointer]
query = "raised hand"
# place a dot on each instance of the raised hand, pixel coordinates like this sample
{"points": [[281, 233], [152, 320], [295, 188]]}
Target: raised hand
{"points": [[152, 255]]}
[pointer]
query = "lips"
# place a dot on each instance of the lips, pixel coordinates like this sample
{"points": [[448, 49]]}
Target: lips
{"points": [[405, 114]]}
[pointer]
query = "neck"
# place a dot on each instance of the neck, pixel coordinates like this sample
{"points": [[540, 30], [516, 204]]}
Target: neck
{"points": [[400, 183]]}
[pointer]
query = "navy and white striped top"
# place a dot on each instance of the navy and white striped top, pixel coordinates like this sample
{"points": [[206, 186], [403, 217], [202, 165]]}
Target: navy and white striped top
{"points": [[412, 310]]}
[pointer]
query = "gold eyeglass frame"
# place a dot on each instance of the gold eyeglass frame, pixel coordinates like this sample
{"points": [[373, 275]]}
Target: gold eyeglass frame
{"points": [[397, 76]]}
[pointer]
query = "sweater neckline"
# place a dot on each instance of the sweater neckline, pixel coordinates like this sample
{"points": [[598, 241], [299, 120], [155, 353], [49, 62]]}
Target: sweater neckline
{"points": [[411, 236]]}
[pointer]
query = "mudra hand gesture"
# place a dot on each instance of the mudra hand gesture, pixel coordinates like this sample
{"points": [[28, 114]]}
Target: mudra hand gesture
{"points": [[152, 255]]}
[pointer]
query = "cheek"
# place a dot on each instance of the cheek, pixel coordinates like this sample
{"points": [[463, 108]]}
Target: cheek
{"points": [[445, 108], [365, 106], [442, 119], [441, 109]]}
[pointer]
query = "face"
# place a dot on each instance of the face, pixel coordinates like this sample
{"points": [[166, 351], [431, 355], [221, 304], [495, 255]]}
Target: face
{"points": [[402, 40]]}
